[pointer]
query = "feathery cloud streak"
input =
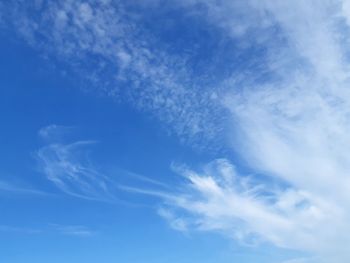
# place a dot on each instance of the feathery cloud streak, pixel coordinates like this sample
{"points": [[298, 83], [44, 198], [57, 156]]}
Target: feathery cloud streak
{"points": [[70, 166]]}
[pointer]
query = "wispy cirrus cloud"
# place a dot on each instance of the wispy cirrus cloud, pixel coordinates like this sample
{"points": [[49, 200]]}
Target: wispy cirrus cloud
{"points": [[72, 230], [64, 165], [292, 126], [10, 187], [54, 133], [67, 230], [19, 230], [252, 211], [69, 166], [106, 43]]}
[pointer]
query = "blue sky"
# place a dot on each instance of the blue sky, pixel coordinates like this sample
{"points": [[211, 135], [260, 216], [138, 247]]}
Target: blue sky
{"points": [[177, 131]]}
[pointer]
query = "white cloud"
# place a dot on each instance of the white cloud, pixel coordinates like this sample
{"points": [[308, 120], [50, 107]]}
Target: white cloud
{"points": [[73, 230], [54, 133], [107, 44], [68, 230], [293, 128], [19, 230], [10, 187], [254, 212], [70, 166]]}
